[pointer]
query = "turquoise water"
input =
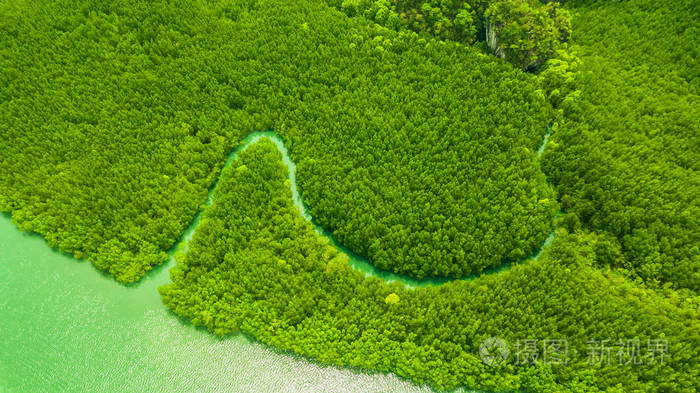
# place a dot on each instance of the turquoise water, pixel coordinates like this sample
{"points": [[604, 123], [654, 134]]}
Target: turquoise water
{"points": [[66, 327], [547, 135]]}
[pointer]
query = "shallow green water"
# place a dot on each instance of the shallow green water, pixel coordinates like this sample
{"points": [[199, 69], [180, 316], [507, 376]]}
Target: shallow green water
{"points": [[66, 327]]}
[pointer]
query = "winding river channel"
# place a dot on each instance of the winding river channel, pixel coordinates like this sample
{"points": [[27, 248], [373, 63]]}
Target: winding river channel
{"points": [[356, 261], [66, 327]]}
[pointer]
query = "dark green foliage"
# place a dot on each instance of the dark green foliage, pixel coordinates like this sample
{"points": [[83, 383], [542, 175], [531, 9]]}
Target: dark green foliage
{"points": [[255, 265], [117, 116], [524, 32], [626, 154]]}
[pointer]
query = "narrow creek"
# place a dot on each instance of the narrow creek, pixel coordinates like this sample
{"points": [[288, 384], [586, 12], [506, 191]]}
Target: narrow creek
{"points": [[356, 261]]}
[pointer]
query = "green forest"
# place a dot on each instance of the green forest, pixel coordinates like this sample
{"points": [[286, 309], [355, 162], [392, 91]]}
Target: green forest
{"points": [[436, 139], [626, 157], [419, 155], [255, 265]]}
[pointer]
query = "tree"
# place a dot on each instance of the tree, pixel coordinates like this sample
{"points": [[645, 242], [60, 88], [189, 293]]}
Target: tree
{"points": [[525, 32]]}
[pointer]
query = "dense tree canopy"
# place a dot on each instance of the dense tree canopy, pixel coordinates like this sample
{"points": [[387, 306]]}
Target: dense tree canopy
{"points": [[414, 150], [625, 156], [524, 32], [255, 265], [117, 117]]}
